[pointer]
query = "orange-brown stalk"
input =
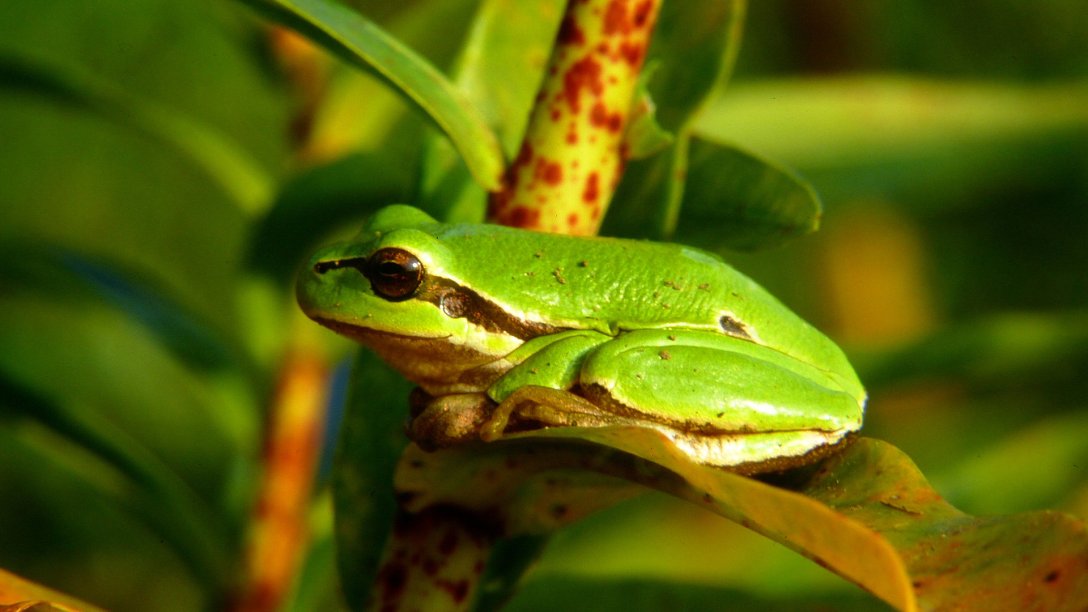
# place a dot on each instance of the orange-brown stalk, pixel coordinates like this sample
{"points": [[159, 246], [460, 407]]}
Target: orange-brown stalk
{"points": [[573, 155]]}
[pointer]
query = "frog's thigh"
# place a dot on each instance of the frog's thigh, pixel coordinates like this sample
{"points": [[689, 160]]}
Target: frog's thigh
{"points": [[702, 382], [552, 361], [547, 407]]}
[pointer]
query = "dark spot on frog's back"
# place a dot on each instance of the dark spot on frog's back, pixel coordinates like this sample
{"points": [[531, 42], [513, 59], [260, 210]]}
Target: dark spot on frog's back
{"points": [[734, 327]]}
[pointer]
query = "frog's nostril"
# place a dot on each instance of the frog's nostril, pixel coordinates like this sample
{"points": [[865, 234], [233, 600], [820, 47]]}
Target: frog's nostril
{"points": [[322, 267]]}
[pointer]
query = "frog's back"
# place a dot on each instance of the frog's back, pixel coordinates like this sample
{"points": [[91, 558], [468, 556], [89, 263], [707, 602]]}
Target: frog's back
{"points": [[611, 285], [614, 282]]}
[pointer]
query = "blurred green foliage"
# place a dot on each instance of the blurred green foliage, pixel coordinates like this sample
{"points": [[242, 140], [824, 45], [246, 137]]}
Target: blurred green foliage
{"points": [[165, 166]]}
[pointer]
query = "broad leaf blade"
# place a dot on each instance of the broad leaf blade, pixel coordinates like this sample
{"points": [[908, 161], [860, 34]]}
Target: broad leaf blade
{"points": [[870, 120], [874, 135], [648, 197], [867, 513], [144, 487], [362, 42], [1036, 559], [695, 46], [735, 200], [1001, 349]]}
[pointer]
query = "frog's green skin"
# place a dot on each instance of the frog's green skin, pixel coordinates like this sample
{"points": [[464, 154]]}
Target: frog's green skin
{"points": [[514, 328]]}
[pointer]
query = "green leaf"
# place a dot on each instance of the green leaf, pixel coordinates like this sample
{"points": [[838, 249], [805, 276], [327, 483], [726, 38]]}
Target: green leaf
{"points": [[866, 513], [996, 479], [362, 42], [76, 348], [648, 197], [868, 120], [510, 558], [502, 63], [734, 200], [153, 494], [694, 47], [724, 198], [133, 202], [85, 356], [371, 440], [644, 135], [390, 120]]}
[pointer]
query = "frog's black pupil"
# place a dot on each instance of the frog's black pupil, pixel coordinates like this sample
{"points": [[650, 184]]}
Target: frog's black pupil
{"points": [[394, 274]]}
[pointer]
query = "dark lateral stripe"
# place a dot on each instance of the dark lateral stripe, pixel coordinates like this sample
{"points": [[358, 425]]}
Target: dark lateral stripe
{"points": [[459, 302]]}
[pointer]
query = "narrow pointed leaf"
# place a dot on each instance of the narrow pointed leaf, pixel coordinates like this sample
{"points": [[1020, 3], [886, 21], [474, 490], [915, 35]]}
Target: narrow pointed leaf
{"points": [[370, 441], [360, 41]]}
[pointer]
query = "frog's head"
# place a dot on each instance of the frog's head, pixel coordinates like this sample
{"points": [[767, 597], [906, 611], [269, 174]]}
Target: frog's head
{"points": [[395, 284]]}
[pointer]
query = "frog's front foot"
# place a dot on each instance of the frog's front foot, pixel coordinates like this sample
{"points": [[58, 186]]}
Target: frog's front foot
{"points": [[448, 420]]}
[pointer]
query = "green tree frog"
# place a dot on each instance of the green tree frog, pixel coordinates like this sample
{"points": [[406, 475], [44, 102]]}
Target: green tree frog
{"points": [[505, 329]]}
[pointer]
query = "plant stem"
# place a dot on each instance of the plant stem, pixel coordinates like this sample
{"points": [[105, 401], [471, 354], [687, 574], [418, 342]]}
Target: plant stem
{"points": [[278, 526], [573, 153]]}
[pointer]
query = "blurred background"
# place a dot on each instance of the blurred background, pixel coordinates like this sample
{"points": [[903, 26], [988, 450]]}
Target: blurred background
{"points": [[166, 165]]}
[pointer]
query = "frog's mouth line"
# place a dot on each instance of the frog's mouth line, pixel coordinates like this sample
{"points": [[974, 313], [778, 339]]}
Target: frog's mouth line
{"points": [[436, 364], [351, 331]]}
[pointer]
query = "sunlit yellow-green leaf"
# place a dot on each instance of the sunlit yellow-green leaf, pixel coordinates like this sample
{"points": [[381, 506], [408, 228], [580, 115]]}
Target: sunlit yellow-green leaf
{"points": [[866, 514]]}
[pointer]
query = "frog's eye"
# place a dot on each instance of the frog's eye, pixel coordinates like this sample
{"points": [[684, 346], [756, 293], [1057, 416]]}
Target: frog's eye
{"points": [[394, 274]]}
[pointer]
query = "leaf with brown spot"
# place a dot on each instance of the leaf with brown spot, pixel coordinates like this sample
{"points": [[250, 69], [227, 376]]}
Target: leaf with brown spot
{"points": [[867, 513]]}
